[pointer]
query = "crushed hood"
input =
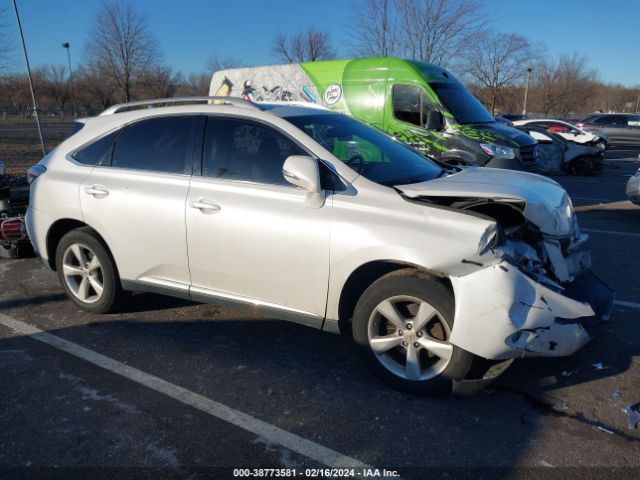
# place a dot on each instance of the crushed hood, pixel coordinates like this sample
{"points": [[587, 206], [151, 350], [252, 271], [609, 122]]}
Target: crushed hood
{"points": [[547, 204]]}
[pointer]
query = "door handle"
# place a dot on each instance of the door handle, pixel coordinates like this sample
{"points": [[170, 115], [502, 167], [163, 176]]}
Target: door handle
{"points": [[204, 204], [97, 191]]}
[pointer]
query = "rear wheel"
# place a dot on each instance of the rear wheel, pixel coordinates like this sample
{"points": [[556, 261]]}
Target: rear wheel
{"points": [[402, 325], [87, 272]]}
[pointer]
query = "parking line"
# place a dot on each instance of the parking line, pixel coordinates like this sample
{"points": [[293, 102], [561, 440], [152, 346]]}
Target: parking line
{"points": [[622, 303], [611, 232], [271, 433]]}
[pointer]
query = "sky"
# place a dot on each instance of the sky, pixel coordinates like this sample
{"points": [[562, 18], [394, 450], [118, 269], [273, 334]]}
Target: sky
{"points": [[191, 31]]}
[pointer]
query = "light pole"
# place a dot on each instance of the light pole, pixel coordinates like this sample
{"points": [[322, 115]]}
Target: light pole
{"points": [[73, 96], [526, 89], [33, 95]]}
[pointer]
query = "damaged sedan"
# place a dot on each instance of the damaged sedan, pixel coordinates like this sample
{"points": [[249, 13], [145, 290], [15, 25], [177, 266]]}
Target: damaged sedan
{"points": [[557, 154], [441, 275]]}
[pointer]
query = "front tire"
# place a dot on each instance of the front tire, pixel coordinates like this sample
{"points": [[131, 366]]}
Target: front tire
{"points": [[87, 272], [402, 325]]}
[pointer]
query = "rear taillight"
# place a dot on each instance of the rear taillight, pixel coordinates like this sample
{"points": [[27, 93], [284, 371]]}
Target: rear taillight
{"points": [[34, 172], [12, 229]]}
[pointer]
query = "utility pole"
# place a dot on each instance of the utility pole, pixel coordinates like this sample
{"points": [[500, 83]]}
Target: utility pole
{"points": [[526, 90], [33, 95], [73, 95]]}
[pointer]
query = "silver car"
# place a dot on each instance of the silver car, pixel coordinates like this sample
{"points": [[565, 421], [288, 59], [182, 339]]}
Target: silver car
{"points": [[619, 128], [437, 273]]}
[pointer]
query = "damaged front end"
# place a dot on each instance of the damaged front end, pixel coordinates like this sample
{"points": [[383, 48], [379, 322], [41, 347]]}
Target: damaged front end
{"points": [[534, 293], [538, 297]]}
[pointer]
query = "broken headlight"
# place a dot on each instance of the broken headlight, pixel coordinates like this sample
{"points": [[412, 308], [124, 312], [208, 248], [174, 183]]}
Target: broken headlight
{"points": [[498, 151]]}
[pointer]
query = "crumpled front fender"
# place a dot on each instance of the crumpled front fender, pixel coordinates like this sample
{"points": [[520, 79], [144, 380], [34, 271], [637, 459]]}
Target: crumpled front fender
{"points": [[501, 313]]}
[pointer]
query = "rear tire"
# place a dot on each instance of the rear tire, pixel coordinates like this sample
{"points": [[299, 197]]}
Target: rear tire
{"points": [[87, 272], [402, 325]]}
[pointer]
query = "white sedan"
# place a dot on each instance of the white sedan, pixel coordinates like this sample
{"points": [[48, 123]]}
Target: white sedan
{"points": [[568, 131]]}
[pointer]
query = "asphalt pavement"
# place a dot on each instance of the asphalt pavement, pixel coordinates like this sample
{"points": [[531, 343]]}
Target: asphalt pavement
{"points": [[172, 389]]}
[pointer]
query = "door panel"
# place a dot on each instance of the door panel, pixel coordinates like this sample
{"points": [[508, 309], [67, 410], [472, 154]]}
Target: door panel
{"points": [[136, 198], [142, 219], [253, 236], [259, 243]]}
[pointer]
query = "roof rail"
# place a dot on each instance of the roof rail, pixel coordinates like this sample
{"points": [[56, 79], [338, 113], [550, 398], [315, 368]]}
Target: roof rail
{"points": [[237, 101]]}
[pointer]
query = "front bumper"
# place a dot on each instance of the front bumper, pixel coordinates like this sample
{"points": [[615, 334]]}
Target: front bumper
{"points": [[501, 313]]}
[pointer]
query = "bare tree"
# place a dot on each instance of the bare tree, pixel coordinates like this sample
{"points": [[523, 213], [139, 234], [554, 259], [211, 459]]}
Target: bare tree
{"points": [[565, 86], [374, 28], [439, 31], [96, 89], [306, 46], [159, 82], [219, 62], [195, 85], [122, 47], [7, 53], [53, 82], [496, 61]]}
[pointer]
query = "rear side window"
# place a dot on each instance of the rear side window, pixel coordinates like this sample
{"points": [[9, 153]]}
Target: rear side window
{"points": [[242, 150], [162, 144], [93, 153], [611, 120]]}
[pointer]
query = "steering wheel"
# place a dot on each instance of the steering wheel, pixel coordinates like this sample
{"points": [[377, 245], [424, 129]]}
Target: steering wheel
{"points": [[356, 162]]}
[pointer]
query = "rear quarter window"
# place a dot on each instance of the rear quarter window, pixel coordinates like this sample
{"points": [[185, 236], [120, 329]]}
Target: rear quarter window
{"points": [[93, 153]]}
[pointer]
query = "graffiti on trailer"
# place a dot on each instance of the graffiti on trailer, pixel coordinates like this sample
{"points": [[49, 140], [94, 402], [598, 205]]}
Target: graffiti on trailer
{"points": [[253, 94]]}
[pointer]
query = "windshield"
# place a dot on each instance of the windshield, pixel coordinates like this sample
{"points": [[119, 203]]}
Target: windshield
{"points": [[369, 152], [461, 103]]}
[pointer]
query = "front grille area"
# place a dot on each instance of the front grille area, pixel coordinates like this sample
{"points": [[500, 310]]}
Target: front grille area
{"points": [[529, 157]]}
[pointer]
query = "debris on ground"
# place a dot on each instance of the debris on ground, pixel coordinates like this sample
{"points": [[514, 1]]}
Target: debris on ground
{"points": [[634, 417], [606, 430], [616, 394]]}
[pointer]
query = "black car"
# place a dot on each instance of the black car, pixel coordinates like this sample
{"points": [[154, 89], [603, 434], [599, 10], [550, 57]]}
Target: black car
{"points": [[620, 128]]}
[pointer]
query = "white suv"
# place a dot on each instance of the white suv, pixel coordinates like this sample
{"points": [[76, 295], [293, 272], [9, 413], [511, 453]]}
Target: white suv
{"points": [[311, 216]]}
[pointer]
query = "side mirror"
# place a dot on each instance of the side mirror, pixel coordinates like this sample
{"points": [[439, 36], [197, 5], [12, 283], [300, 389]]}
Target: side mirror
{"points": [[435, 121], [302, 171]]}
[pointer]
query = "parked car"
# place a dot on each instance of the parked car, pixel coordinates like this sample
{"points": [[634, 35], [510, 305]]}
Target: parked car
{"points": [[633, 188], [620, 128], [438, 272], [556, 154], [420, 103], [504, 121], [14, 198], [570, 132], [515, 116]]}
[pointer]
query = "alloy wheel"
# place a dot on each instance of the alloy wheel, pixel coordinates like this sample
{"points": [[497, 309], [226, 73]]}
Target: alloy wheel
{"points": [[410, 338], [83, 273]]}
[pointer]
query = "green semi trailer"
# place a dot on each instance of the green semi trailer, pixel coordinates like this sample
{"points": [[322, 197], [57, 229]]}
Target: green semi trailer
{"points": [[420, 103]]}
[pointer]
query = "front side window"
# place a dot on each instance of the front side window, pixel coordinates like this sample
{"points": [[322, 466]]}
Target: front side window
{"points": [[96, 151], [242, 150], [163, 144], [369, 152], [410, 104]]}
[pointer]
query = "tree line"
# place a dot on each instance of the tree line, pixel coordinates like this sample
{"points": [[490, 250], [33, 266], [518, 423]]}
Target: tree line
{"points": [[123, 60]]}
